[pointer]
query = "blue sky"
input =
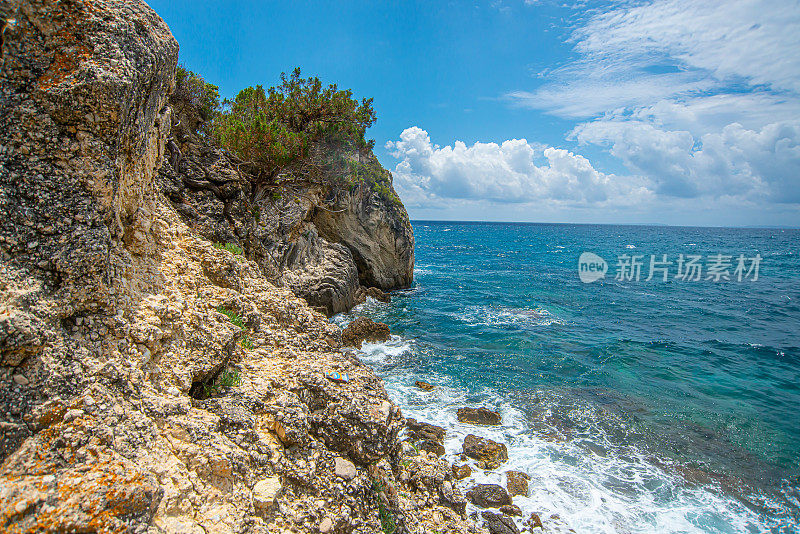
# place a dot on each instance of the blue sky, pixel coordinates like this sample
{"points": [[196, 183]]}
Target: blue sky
{"points": [[666, 111]]}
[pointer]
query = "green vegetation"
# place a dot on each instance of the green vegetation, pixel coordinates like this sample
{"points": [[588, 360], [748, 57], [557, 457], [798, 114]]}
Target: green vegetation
{"points": [[245, 343], [372, 174], [387, 518], [229, 378], [277, 129], [233, 248], [299, 130], [232, 316], [192, 89]]}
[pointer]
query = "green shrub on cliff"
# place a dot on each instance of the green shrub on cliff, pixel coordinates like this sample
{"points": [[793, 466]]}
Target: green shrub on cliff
{"points": [[278, 128], [370, 173], [201, 96]]}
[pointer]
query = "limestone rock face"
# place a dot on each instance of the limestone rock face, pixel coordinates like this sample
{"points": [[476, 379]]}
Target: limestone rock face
{"points": [[330, 245], [150, 381], [379, 235]]}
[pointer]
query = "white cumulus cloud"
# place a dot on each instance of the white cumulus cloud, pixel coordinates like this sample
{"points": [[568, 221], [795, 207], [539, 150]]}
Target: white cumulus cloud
{"points": [[427, 174]]}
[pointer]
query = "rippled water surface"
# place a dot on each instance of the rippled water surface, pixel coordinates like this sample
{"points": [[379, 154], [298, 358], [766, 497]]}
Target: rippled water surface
{"points": [[643, 406]]}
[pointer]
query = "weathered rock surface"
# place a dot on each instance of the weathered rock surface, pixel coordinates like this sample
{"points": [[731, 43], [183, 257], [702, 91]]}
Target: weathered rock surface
{"points": [[517, 483], [462, 471], [377, 233], [488, 496], [511, 509], [266, 491], [499, 523], [478, 416], [364, 329], [419, 430], [534, 522], [489, 454], [149, 381], [345, 469], [372, 292]]}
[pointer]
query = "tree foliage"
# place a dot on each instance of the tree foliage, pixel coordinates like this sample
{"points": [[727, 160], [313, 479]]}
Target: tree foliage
{"points": [[193, 89], [278, 128]]}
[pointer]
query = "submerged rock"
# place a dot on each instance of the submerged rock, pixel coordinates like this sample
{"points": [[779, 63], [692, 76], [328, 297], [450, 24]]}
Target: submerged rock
{"points": [[489, 454], [478, 416], [421, 384], [364, 329], [488, 496]]}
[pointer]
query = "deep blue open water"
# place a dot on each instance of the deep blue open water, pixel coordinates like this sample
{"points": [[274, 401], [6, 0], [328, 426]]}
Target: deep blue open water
{"points": [[635, 406]]}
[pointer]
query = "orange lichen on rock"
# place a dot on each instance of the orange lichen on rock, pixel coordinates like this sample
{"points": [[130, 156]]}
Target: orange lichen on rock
{"points": [[65, 62]]}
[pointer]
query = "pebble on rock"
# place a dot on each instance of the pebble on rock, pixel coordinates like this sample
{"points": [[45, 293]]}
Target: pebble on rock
{"points": [[265, 491], [21, 380], [345, 469]]}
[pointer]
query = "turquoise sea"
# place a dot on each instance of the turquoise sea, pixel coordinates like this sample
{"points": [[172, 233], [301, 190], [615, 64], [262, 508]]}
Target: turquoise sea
{"points": [[635, 406]]}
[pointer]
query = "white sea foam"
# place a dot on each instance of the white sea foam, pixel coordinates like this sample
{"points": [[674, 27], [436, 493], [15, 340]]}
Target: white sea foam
{"points": [[571, 487], [504, 316]]}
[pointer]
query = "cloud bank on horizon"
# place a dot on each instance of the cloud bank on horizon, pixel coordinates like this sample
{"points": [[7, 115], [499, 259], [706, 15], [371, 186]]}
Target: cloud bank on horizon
{"points": [[694, 104]]}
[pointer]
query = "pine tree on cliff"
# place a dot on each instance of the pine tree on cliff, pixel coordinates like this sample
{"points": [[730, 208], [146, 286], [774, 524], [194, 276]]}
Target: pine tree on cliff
{"points": [[278, 130]]}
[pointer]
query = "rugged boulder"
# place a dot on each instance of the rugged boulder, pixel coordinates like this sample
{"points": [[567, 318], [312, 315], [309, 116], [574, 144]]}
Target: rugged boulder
{"points": [[489, 454], [488, 496], [364, 329], [511, 509], [499, 523], [517, 483], [419, 430], [460, 472], [478, 416]]}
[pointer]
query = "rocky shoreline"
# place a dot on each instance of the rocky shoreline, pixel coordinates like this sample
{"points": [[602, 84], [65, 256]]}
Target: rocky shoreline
{"points": [[166, 360]]}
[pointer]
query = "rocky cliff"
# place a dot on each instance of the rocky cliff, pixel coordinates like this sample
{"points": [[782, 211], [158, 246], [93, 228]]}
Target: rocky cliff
{"points": [[154, 382], [328, 240]]}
